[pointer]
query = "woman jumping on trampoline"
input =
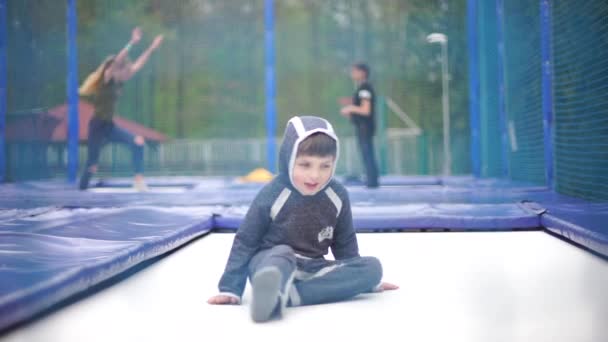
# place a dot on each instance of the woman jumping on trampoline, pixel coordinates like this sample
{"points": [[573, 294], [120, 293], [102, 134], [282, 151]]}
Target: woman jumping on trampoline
{"points": [[104, 85]]}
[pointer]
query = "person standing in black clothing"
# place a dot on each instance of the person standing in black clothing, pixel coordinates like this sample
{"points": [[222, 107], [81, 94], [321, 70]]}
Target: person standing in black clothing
{"points": [[362, 115]]}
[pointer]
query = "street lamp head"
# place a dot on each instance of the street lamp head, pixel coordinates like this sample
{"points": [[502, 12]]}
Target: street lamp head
{"points": [[437, 38]]}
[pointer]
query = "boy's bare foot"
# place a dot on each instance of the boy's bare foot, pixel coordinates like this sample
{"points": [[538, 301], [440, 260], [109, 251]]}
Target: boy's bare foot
{"points": [[384, 286]]}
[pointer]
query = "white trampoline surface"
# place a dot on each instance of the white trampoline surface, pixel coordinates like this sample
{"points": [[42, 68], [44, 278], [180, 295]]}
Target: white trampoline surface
{"points": [[515, 286]]}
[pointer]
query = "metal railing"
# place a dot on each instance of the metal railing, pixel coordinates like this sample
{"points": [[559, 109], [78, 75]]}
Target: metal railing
{"points": [[239, 156]]}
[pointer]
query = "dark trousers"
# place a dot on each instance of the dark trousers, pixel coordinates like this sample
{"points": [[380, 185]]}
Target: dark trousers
{"points": [[102, 132], [365, 138]]}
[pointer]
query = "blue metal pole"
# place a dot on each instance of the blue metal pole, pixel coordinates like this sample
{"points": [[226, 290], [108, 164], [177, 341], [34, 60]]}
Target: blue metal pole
{"points": [[72, 91], [473, 46], [546, 42], [502, 106], [382, 138], [3, 43], [271, 111]]}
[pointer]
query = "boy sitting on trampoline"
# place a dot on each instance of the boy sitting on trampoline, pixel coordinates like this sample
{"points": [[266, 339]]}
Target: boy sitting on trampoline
{"points": [[290, 226]]}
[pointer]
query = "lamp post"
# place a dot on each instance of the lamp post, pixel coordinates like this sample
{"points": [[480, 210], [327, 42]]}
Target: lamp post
{"points": [[442, 39]]}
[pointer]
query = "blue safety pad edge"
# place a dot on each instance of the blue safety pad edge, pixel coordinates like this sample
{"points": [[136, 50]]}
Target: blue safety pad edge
{"points": [[582, 222], [421, 216], [594, 241], [46, 260]]}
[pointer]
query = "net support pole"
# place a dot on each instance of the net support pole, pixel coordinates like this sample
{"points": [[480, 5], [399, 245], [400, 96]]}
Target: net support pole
{"points": [[271, 111], [72, 91], [473, 47], [445, 100], [547, 87], [3, 61], [382, 136], [502, 106]]}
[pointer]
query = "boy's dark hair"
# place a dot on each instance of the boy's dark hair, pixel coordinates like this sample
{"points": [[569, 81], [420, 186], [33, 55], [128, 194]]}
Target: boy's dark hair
{"points": [[318, 144], [363, 67]]}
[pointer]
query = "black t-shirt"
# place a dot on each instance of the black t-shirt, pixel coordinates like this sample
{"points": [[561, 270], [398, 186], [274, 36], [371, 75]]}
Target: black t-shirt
{"points": [[106, 98], [365, 91]]}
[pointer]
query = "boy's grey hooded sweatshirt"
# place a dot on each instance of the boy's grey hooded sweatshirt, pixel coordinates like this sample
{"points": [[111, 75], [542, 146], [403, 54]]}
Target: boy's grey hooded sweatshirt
{"points": [[280, 214]]}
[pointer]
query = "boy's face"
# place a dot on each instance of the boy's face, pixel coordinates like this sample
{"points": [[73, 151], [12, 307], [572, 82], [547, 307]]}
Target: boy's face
{"points": [[310, 173]]}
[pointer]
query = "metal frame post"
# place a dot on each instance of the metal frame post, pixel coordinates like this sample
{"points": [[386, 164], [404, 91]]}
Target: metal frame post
{"points": [[546, 42], [473, 46], [3, 61], [271, 111], [502, 106], [72, 91], [445, 99]]}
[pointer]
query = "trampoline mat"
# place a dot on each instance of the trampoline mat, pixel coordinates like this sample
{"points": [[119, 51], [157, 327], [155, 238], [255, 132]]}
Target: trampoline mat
{"points": [[458, 287], [56, 241]]}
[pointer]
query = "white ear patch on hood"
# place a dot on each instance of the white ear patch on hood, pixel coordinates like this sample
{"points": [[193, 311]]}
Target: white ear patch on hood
{"points": [[298, 129]]}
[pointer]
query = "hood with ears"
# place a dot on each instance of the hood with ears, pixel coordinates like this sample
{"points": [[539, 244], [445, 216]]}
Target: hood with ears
{"points": [[299, 128]]}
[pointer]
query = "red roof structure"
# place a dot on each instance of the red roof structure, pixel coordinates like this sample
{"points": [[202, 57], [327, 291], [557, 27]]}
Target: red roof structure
{"points": [[52, 125]]}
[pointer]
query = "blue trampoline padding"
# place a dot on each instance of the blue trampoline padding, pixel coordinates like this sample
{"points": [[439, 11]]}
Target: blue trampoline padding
{"points": [[57, 241], [445, 216], [228, 192], [422, 216], [595, 241], [7, 215], [49, 257], [583, 223]]}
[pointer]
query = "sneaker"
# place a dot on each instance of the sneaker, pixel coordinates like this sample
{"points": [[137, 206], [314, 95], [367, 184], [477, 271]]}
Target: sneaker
{"points": [[140, 185], [266, 285]]}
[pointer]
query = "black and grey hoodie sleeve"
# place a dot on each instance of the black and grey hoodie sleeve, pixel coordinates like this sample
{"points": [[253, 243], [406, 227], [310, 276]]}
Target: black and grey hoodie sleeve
{"points": [[246, 243], [345, 244]]}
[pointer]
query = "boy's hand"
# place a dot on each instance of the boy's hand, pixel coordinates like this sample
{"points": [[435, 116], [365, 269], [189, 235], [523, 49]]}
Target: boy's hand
{"points": [[222, 299], [387, 286]]}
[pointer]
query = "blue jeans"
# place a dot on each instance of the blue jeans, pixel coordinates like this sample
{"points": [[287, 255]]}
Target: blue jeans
{"points": [[317, 281], [102, 132]]}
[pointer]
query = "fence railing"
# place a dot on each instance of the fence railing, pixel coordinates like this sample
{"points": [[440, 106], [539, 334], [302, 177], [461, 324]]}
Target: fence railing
{"points": [[239, 156], [400, 154]]}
